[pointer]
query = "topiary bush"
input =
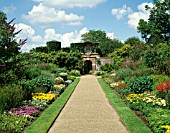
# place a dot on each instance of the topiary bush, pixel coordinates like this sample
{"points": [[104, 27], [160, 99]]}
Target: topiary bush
{"points": [[140, 84]]}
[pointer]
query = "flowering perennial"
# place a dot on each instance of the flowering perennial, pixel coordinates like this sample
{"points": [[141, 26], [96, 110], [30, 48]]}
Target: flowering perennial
{"points": [[25, 110], [167, 127], [154, 100], [114, 84], [163, 87], [43, 96], [134, 98], [121, 85], [60, 86]]}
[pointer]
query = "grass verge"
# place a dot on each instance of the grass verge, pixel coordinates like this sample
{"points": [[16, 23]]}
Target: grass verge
{"points": [[128, 117], [44, 122]]}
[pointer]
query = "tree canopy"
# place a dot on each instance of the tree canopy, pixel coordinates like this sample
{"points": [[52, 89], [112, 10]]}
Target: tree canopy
{"points": [[106, 45], [157, 28], [8, 44], [133, 41]]}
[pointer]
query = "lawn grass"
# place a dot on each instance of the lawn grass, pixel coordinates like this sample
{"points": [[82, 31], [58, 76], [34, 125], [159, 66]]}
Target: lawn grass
{"points": [[44, 122], [133, 123]]}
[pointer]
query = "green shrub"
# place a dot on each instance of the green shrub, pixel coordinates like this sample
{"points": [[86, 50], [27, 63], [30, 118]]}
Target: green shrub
{"points": [[63, 75], [143, 72], [13, 123], [98, 73], [61, 70], [137, 52], [160, 78], [28, 87], [71, 77], [150, 58], [117, 62], [32, 73], [159, 59], [10, 96], [107, 67], [123, 73], [75, 73], [53, 68], [157, 118], [43, 84], [140, 84], [53, 46], [43, 66]]}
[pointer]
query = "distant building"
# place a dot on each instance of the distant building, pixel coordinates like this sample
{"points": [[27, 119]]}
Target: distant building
{"points": [[91, 58]]}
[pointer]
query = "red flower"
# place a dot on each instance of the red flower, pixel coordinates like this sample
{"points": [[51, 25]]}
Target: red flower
{"points": [[163, 87]]}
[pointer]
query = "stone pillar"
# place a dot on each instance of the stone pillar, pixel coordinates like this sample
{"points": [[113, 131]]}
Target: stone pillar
{"points": [[93, 67]]}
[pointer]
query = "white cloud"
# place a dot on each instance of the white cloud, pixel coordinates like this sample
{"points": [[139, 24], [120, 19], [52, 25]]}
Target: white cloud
{"points": [[141, 14], [67, 38], [50, 34], [44, 15], [71, 3], [29, 33], [111, 35], [8, 9], [121, 12], [75, 23]]}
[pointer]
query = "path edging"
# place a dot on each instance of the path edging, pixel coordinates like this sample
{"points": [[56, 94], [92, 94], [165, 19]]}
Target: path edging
{"points": [[56, 107]]}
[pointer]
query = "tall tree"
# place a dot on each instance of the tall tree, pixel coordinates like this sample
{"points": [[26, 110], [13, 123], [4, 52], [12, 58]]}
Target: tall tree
{"points": [[8, 44], [157, 28], [133, 41], [9, 48], [106, 45]]}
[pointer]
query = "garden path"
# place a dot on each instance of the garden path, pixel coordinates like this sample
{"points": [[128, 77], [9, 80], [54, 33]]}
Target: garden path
{"points": [[88, 111]]}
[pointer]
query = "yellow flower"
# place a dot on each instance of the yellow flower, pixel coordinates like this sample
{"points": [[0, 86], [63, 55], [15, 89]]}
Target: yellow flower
{"points": [[167, 127], [43, 96]]}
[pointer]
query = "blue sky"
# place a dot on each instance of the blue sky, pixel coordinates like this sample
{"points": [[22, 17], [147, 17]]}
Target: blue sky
{"points": [[67, 20]]}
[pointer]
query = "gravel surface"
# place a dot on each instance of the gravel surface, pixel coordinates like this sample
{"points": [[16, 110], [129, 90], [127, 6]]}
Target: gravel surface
{"points": [[88, 111]]}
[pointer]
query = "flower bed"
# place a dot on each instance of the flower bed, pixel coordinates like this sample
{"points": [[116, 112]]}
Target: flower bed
{"points": [[30, 110], [42, 96], [152, 102]]}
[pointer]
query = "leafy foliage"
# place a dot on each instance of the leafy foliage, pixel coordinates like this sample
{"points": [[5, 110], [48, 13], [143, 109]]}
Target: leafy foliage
{"points": [[159, 59], [123, 51], [42, 82], [133, 41], [107, 67], [123, 73], [157, 28], [28, 87], [13, 123], [10, 96], [8, 45], [106, 45], [53, 46], [140, 84]]}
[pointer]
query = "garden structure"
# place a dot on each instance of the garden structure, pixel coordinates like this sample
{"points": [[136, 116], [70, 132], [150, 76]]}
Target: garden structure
{"points": [[91, 57]]}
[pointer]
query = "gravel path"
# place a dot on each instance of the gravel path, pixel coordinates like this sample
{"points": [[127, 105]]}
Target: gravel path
{"points": [[88, 111]]}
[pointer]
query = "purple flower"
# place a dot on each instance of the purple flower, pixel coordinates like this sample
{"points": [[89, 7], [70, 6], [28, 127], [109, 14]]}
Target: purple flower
{"points": [[25, 110]]}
